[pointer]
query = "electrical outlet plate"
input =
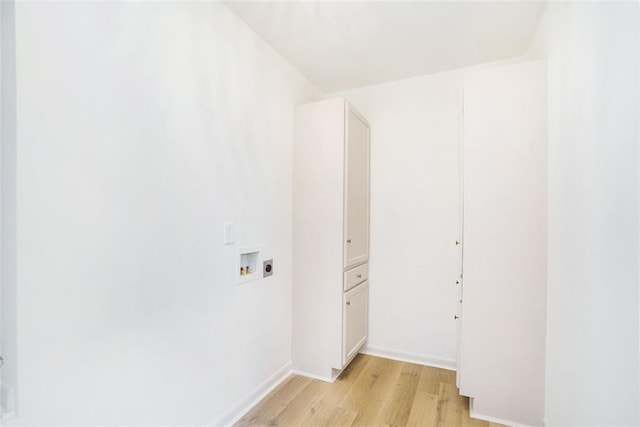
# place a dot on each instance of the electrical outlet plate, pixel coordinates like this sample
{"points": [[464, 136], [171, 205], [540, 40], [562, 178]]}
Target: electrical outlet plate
{"points": [[267, 268]]}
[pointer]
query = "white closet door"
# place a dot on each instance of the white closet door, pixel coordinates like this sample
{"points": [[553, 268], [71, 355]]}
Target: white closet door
{"points": [[505, 243], [356, 227]]}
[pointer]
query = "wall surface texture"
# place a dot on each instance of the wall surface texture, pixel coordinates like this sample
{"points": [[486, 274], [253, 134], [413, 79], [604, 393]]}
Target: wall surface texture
{"points": [[8, 337], [592, 324], [141, 128], [415, 215]]}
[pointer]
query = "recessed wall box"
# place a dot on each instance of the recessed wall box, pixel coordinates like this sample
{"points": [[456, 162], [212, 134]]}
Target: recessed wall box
{"points": [[249, 265]]}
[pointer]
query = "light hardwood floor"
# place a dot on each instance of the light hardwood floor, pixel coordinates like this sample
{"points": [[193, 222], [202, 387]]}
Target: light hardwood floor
{"points": [[371, 392]]}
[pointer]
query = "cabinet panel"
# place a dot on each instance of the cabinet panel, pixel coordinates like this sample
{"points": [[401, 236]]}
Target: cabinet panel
{"points": [[356, 213], [355, 318]]}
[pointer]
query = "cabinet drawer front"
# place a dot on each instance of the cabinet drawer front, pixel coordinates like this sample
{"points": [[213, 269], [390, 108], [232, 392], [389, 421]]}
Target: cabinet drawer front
{"points": [[355, 276]]}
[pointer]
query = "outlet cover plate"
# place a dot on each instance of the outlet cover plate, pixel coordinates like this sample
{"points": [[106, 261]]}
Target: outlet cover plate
{"points": [[267, 268]]}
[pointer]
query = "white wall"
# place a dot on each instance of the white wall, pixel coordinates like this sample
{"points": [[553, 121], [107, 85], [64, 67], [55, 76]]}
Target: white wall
{"points": [[8, 346], [592, 324], [142, 127], [415, 215]]}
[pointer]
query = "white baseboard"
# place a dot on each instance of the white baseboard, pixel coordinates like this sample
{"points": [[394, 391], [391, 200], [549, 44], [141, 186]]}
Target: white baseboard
{"points": [[420, 359], [315, 377], [477, 416], [243, 406]]}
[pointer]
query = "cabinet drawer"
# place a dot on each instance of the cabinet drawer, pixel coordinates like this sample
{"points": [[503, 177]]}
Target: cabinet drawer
{"points": [[355, 276]]}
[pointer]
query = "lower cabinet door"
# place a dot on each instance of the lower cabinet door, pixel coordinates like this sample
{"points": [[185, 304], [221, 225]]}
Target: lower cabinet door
{"points": [[355, 320]]}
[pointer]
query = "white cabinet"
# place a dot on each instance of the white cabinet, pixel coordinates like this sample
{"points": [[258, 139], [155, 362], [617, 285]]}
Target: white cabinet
{"points": [[330, 237]]}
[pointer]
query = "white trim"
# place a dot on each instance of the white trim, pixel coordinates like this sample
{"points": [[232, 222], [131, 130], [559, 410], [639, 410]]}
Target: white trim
{"points": [[421, 359], [238, 410], [315, 377], [487, 418]]}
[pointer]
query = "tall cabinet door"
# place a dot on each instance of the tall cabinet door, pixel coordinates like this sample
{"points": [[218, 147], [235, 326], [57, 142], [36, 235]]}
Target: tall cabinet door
{"points": [[356, 215], [505, 242]]}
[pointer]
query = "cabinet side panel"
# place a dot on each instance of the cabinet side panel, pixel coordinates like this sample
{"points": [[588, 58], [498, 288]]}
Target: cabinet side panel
{"points": [[505, 244], [317, 237]]}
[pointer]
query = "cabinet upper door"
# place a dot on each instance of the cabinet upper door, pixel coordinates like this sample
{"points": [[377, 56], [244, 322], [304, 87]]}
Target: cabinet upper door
{"points": [[356, 191]]}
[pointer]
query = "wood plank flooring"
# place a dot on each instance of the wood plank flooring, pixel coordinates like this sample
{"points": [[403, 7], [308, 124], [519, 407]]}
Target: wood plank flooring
{"points": [[371, 392]]}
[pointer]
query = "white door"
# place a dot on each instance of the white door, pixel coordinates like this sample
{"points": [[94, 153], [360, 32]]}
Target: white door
{"points": [[356, 226], [356, 319], [505, 244]]}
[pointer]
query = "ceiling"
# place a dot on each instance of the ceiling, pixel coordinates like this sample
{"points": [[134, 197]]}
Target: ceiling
{"points": [[343, 45]]}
